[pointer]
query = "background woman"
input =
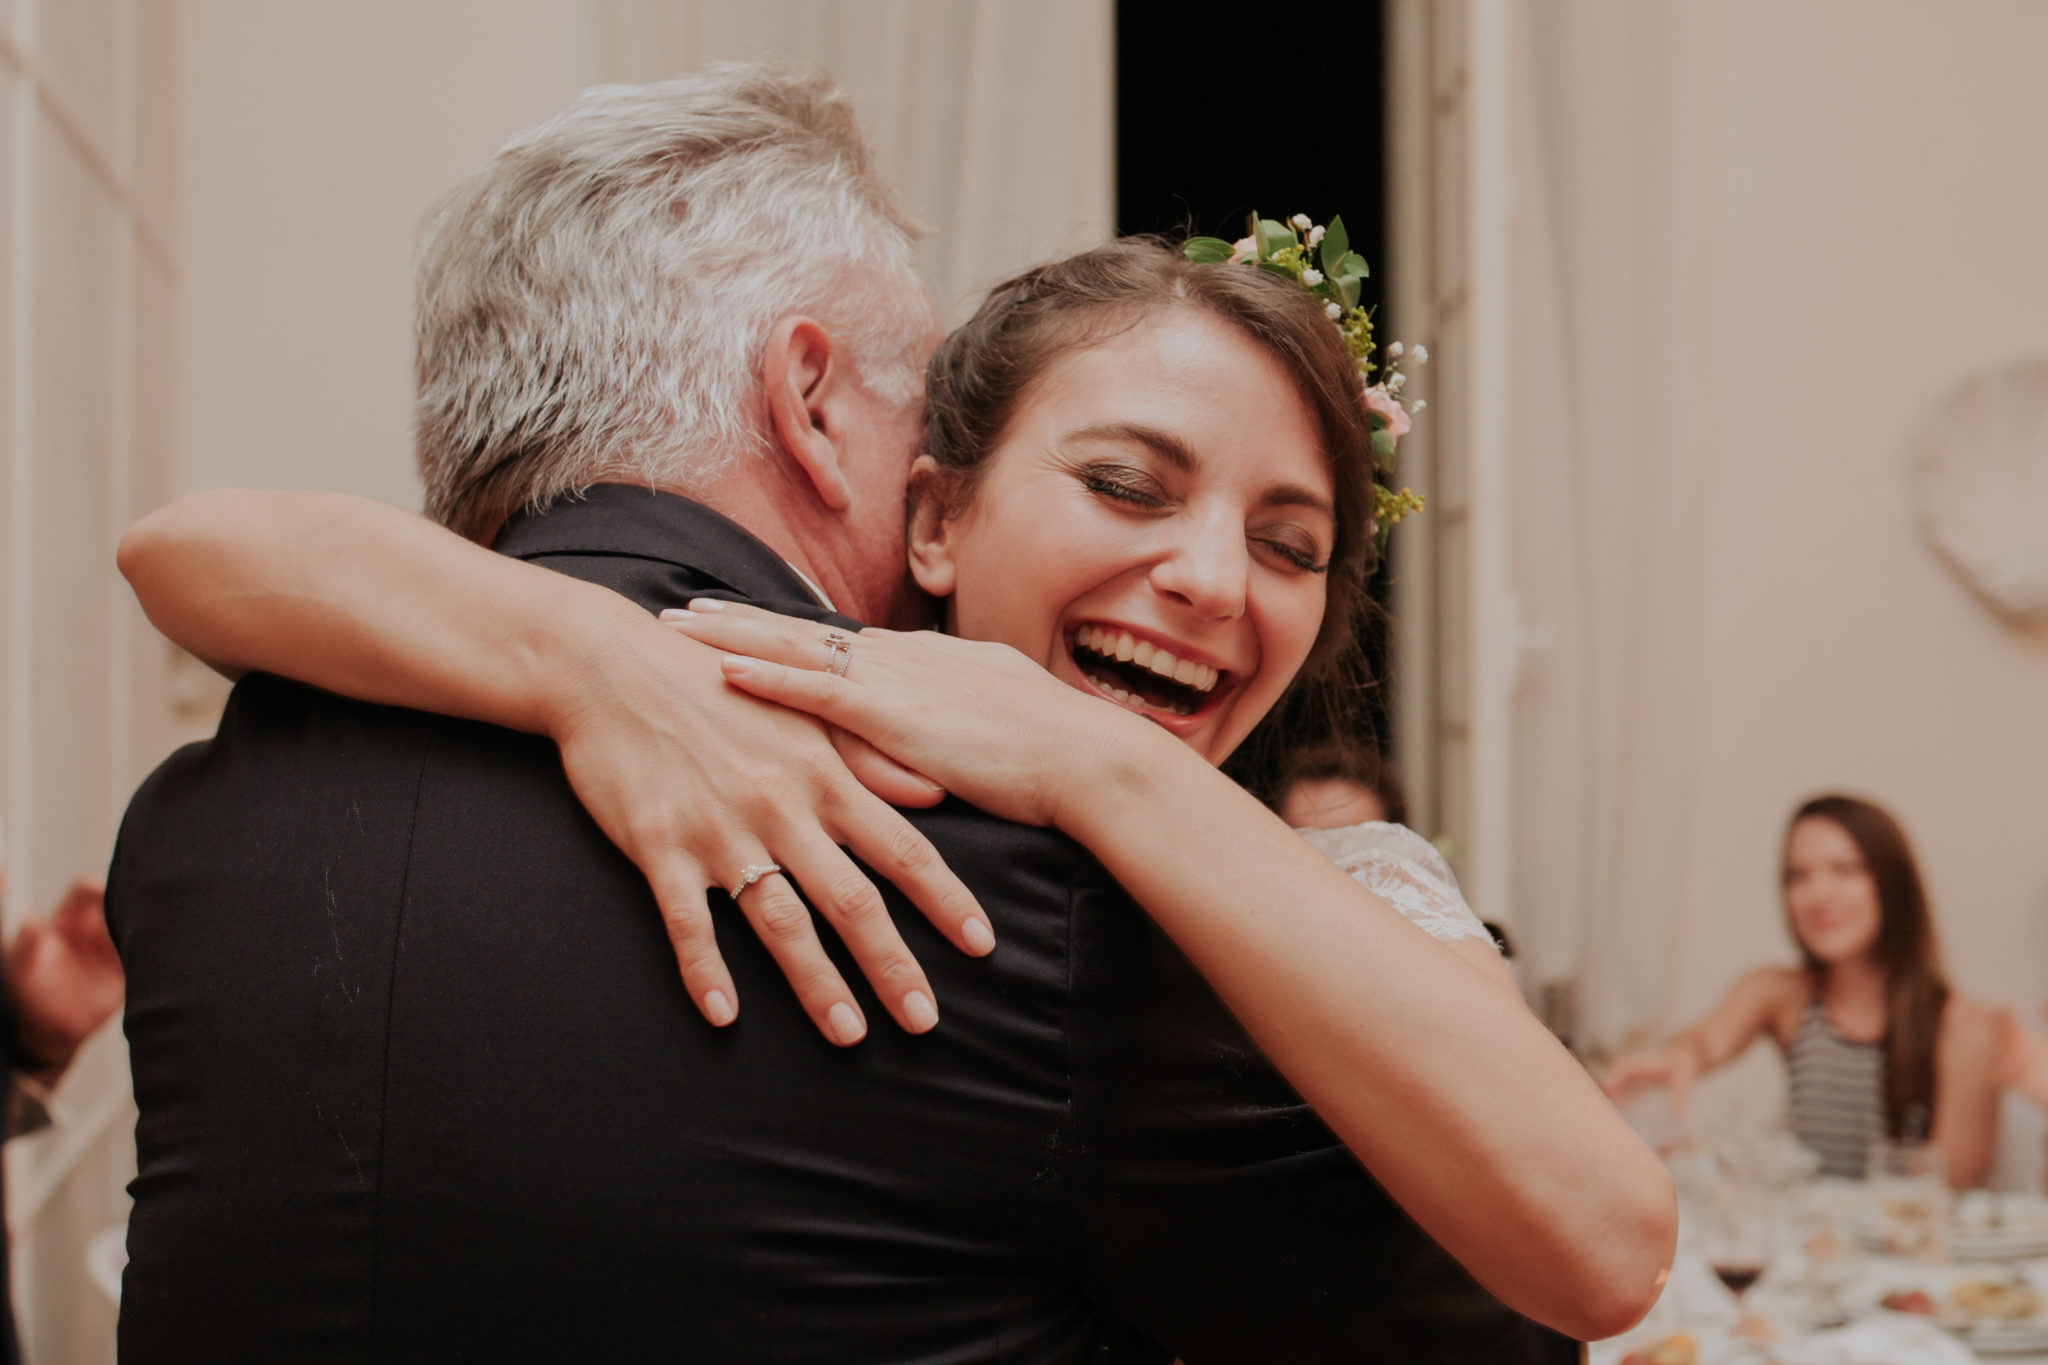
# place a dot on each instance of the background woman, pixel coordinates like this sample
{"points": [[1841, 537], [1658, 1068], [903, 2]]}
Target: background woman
{"points": [[1876, 1042]]}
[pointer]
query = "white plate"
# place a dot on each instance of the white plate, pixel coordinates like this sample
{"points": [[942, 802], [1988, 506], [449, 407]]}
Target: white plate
{"points": [[2022, 1234], [1882, 1339]]}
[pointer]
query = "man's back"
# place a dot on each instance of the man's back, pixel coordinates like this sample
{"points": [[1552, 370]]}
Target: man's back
{"points": [[418, 1080]]}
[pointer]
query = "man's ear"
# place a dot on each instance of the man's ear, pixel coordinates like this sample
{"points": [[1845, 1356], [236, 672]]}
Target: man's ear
{"points": [[931, 528], [806, 375]]}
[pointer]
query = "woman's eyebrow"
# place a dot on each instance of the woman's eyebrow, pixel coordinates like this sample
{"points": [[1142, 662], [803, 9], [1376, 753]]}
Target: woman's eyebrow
{"points": [[1164, 444]]}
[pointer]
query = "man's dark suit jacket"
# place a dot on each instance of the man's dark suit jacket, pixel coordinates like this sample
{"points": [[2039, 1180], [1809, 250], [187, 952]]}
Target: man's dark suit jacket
{"points": [[418, 1080]]}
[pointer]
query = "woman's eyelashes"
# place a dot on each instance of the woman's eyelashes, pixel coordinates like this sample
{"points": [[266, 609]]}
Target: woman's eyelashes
{"points": [[1137, 489], [1122, 484], [1305, 560]]}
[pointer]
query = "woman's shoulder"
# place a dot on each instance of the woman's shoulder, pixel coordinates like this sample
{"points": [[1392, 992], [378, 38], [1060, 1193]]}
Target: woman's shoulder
{"points": [[1779, 994], [1968, 1022], [1350, 844], [1777, 985]]}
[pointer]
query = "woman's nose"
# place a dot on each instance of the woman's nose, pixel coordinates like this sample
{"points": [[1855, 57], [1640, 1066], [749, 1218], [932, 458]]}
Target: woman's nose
{"points": [[1208, 569]]}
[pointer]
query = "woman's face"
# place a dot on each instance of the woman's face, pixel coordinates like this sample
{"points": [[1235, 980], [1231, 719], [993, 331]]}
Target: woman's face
{"points": [[1829, 892], [1152, 529]]}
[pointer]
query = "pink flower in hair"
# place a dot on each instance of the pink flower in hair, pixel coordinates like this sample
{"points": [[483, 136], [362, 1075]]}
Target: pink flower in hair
{"points": [[1384, 406]]}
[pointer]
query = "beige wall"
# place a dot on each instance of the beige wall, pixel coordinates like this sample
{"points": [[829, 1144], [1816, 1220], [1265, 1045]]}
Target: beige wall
{"points": [[88, 119], [314, 138]]}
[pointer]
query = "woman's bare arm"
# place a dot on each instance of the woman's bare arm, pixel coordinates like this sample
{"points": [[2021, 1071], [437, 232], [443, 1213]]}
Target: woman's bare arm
{"points": [[1966, 1090], [1755, 1005], [1460, 1102], [692, 781]]}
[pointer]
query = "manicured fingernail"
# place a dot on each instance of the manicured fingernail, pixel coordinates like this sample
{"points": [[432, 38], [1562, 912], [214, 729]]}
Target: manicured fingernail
{"points": [[706, 604], [981, 940], [933, 785], [676, 614], [737, 663], [846, 1025], [920, 1011], [718, 1009]]}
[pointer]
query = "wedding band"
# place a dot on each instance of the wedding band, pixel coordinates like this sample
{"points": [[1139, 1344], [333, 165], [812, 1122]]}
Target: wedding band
{"points": [[751, 873], [842, 653]]}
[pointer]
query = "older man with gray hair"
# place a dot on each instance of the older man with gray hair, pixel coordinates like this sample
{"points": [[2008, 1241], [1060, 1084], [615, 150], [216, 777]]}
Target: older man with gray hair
{"points": [[416, 1080]]}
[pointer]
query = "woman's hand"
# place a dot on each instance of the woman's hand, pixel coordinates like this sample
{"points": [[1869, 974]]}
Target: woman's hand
{"points": [[980, 719], [1675, 1066], [696, 785]]}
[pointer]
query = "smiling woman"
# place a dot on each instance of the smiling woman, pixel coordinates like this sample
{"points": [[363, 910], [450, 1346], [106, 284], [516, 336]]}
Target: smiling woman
{"points": [[1179, 452]]}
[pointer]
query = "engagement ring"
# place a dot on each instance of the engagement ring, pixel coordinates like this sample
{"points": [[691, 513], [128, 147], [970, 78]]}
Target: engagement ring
{"points": [[751, 873]]}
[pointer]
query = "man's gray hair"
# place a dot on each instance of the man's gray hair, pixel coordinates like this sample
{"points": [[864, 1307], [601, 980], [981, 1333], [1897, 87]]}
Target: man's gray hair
{"points": [[592, 304]]}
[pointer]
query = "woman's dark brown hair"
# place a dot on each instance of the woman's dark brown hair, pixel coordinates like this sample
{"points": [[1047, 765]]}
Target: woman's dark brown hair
{"points": [[1916, 990], [983, 370]]}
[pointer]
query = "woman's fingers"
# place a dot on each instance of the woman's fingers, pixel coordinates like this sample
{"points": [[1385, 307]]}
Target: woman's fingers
{"points": [[892, 846], [762, 634], [849, 902], [883, 775], [783, 922], [820, 694], [678, 885]]}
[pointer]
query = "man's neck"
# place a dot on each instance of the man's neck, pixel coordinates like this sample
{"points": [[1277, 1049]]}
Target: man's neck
{"points": [[807, 549]]}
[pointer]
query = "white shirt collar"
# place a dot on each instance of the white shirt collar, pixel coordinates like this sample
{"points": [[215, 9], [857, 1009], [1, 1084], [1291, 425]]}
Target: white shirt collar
{"points": [[816, 591]]}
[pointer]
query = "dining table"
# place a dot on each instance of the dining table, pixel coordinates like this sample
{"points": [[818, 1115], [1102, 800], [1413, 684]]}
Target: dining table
{"points": [[1821, 1300]]}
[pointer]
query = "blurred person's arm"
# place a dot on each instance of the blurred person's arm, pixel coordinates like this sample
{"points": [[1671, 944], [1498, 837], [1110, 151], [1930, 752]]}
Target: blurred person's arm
{"points": [[1758, 1003], [63, 982], [1966, 1065]]}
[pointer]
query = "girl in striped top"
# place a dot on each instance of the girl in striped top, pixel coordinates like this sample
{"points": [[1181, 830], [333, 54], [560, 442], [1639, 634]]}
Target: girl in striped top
{"points": [[1876, 1043]]}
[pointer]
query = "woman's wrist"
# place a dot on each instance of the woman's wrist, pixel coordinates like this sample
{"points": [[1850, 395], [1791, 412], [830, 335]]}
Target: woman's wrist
{"points": [[1107, 771], [582, 659]]}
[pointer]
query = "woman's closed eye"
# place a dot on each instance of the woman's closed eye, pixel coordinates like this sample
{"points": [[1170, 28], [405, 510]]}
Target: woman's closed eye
{"points": [[1292, 548], [1122, 484]]}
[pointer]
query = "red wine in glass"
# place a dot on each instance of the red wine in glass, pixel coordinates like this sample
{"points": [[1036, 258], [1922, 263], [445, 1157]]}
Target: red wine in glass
{"points": [[1738, 1277]]}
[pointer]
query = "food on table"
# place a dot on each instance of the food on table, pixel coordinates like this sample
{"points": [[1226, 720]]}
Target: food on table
{"points": [[2007, 1301], [1909, 1301], [1676, 1349]]}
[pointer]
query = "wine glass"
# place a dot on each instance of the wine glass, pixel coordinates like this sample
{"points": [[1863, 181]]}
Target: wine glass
{"points": [[1737, 1241]]}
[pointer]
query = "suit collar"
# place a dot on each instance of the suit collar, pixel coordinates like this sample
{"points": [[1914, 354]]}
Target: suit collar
{"points": [[641, 523]]}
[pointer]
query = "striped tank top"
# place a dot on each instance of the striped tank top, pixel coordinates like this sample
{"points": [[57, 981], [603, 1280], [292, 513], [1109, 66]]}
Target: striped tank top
{"points": [[1837, 1093]]}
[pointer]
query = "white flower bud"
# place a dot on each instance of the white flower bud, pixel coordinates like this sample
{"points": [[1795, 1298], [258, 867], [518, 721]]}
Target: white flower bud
{"points": [[1394, 351], [1421, 354], [1333, 310], [1395, 381], [1311, 277], [1300, 222], [1418, 405], [1315, 235], [1243, 249]]}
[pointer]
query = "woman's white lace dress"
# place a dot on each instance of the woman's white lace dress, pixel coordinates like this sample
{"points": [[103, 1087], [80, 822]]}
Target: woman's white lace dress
{"points": [[1403, 869]]}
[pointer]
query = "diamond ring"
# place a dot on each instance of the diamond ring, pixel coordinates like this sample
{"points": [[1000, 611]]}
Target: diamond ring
{"points": [[751, 873]]}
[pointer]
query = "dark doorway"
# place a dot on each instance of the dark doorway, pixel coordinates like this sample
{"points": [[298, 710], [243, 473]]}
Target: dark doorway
{"points": [[1221, 111]]}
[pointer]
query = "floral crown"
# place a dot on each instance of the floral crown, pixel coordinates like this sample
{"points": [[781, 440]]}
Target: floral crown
{"points": [[1285, 250]]}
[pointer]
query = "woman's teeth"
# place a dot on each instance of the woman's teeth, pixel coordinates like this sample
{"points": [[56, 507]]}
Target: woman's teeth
{"points": [[1160, 680], [1118, 645]]}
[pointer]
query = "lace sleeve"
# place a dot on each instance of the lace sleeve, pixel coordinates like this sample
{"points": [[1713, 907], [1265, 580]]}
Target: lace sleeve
{"points": [[1401, 868]]}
